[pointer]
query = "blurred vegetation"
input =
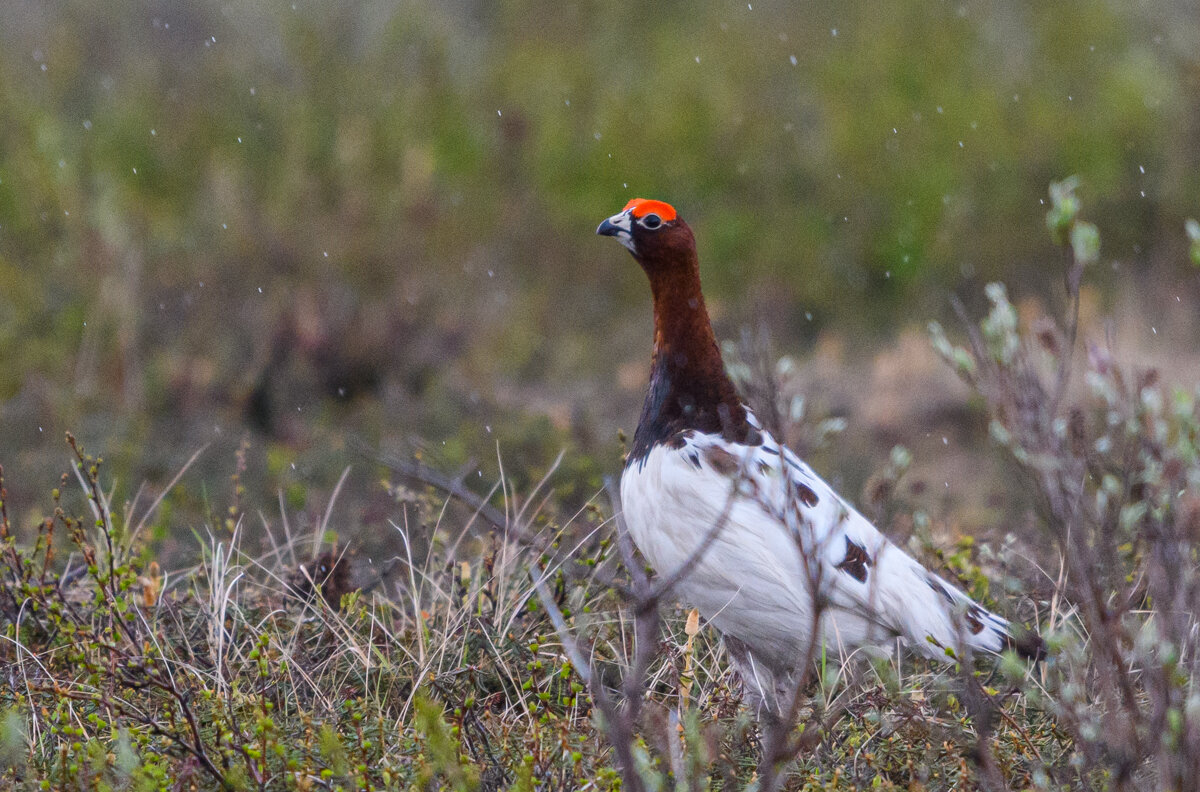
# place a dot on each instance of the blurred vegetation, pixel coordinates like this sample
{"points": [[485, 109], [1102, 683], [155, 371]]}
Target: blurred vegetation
{"points": [[305, 222]]}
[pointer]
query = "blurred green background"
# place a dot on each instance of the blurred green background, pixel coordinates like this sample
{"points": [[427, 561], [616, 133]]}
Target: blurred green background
{"points": [[319, 224]]}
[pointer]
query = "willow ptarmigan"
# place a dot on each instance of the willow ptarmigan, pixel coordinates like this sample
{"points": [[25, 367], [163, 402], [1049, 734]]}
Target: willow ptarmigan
{"points": [[702, 469]]}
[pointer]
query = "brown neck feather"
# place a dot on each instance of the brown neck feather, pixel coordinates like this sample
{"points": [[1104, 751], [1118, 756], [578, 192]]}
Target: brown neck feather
{"points": [[684, 343], [689, 389]]}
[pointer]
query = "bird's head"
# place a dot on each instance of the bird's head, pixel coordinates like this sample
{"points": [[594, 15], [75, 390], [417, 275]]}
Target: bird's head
{"points": [[654, 233]]}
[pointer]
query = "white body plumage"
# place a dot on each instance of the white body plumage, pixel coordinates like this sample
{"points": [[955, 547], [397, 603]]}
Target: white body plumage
{"points": [[781, 538]]}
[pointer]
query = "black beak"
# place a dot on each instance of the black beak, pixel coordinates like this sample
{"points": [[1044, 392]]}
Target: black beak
{"points": [[607, 228]]}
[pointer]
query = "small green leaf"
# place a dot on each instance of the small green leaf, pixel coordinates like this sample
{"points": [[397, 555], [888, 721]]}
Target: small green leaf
{"points": [[1193, 231], [1085, 242], [1064, 208]]}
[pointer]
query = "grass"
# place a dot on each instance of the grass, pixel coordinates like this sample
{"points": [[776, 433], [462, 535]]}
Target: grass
{"points": [[222, 676], [511, 643]]}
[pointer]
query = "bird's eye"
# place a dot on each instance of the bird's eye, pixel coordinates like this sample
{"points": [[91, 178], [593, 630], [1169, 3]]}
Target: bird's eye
{"points": [[651, 221]]}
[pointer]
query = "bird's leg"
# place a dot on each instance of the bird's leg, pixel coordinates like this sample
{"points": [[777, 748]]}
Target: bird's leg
{"points": [[771, 695], [776, 726], [765, 694], [757, 683]]}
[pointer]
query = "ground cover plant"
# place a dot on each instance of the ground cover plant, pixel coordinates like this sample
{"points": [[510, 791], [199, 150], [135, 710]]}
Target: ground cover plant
{"points": [[514, 641]]}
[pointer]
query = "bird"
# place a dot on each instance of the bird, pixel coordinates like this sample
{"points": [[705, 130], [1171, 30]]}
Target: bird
{"points": [[760, 544]]}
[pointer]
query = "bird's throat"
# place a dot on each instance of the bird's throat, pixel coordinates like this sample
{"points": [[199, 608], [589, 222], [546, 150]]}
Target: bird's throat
{"points": [[689, 389]]}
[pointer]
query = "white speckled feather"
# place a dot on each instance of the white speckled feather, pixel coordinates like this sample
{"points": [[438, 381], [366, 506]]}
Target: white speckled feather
{"points": [[782, 534]]}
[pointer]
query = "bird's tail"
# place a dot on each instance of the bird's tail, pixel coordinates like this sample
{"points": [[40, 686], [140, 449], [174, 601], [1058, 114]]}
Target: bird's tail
{"points": [[937, 618]]}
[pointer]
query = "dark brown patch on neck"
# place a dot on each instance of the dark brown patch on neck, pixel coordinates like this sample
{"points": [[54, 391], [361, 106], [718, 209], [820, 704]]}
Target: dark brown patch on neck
{"points": [[689, 389]]}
